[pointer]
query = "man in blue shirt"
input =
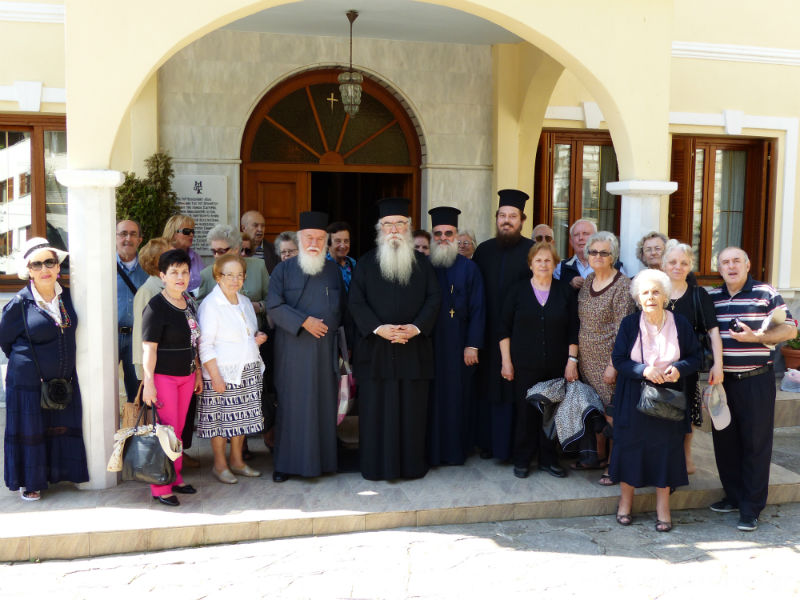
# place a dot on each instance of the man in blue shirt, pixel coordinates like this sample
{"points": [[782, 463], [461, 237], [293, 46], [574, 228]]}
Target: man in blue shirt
{"points": [[130, 276]]}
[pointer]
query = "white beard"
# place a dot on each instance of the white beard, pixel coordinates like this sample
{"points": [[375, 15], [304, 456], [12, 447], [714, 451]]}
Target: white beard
{"points": [[444, 255], [310, 264], [396, 256]]}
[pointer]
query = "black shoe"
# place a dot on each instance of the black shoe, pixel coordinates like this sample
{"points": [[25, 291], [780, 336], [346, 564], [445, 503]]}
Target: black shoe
{"points": [[723, 506], [747, 524], [184, 489], [486, 454], [168, 500], [554, 470], [521, 472], [279, 477]]}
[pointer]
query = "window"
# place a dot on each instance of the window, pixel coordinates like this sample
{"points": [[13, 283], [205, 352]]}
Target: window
{"points": [[572, 169], [721, 200], [32, 202]]}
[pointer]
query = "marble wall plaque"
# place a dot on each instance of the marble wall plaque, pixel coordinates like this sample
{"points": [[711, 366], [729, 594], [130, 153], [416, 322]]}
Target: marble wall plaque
{"points": [[205, 199]]}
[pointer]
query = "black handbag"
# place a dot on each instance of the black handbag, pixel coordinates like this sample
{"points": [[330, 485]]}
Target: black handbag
{"points": [[706, 355], [660, 402], [56, 393], [143, 458]]}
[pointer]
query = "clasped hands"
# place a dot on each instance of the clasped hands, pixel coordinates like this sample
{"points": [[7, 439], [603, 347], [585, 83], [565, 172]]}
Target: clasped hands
{"points": [[657, 375], [397, 334]]}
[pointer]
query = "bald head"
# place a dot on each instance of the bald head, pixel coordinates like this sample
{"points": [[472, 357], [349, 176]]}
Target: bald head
{"points": [[253, 224]]}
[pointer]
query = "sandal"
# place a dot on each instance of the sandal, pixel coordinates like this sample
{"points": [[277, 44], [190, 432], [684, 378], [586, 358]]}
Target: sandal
{"points": [[663, 526], [30, 496], [605, 479], [624, 520]]}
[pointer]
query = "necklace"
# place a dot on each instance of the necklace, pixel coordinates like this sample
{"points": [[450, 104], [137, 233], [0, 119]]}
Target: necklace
{"points": [[174, 301]]}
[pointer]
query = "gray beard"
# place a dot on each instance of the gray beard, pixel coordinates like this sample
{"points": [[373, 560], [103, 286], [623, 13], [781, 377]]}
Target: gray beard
{"points": [[310, 264], [444, 255], [396, 257]]}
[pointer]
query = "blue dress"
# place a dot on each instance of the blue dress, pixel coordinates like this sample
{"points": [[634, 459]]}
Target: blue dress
{"points": [[648, 451], [41, 446]]}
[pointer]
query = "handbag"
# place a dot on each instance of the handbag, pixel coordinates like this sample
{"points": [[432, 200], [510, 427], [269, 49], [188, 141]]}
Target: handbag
{"points": [[143, 458], [706, 355], [346, 382], [131, 410], [660, 402], [56, 394]]}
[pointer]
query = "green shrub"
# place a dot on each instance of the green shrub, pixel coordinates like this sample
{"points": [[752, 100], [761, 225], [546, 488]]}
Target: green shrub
{"points": [[149, 201]]}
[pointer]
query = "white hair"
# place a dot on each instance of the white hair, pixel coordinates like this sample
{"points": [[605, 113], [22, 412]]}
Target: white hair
{"points": [[651, 276], [396, 256], [575, 224], [226, 233], [444, 254], [674, 245], [604, 236], [310, 264]]}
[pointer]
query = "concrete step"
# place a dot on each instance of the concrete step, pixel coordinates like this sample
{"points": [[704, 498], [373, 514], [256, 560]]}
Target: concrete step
{"points": [[69, 523]]}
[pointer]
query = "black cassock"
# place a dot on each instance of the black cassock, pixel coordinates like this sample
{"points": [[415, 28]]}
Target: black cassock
{"points": [[501, 269], [393, 379]]}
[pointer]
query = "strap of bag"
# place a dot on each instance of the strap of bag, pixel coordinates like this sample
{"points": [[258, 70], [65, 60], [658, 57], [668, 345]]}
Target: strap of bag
{"points": [[343, 347], [126, 279], [28, 335], [696, 302]]}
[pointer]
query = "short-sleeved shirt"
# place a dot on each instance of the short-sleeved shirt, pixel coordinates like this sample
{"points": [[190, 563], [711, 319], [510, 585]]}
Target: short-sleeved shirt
{"points": [[169, 327], [751, 305]]}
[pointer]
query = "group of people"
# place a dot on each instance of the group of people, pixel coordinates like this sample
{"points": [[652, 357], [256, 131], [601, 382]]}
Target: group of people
{"points": [[446, 345]]}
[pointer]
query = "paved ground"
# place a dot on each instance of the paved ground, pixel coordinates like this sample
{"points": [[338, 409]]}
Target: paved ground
{"points": [[704, 556]]}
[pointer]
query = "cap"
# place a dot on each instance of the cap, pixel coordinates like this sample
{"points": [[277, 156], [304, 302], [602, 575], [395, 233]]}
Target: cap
{"points": [[444, 215], [716, 403], [393, 206], [313, 220], [515, 198]]}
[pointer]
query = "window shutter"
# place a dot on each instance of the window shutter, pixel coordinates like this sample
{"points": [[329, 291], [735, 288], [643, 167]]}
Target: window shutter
{"points": [[680, 202], [755, 203]]}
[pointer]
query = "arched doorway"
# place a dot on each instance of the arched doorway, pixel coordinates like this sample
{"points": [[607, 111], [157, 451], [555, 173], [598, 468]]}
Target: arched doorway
{"points": [[301, 151]]}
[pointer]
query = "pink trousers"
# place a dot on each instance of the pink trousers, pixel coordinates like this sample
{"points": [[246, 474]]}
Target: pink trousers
{"points": [[174, 394]]}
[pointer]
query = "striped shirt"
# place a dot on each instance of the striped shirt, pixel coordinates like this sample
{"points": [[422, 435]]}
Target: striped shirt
{"points": [[755, 302]]}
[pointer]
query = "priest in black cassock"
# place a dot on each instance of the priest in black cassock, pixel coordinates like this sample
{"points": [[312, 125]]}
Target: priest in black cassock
{"points": [[394, 299], [502, 260], [305, 301], [456, 339]]}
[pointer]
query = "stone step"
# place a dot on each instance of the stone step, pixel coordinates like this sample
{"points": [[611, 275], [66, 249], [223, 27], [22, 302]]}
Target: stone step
{"points": [[70, 523]]}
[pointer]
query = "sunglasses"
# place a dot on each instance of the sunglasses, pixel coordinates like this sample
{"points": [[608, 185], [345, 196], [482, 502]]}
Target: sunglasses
{"points": [[186, 231], [448, 234], [601, 253], [219, 251], [247, 252], [543, 238], [50, 263]]}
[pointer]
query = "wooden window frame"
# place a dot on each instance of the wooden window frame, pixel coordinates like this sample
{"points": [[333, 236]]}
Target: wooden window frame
{"points": [[36, 125]]}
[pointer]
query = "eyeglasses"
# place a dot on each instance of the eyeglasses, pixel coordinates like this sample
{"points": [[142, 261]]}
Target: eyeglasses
{"points": [[50, 263], [288, 253], [128, 234], [247, 252], [464, 244], [543, 238], [233, 276], [394, 225], [220, 251], [601, 253], [448, 234], [653, 250], [186, 231]]}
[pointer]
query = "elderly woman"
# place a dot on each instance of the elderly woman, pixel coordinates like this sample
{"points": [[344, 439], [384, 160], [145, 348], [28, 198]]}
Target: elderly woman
{"points": [[37, 334], [541, 309], [660, 347], [230, 407], [603, 301], [286, 245], [170, 362], [148, 259], [179, 230], [693, 302], [650, 249], [467, 242]]}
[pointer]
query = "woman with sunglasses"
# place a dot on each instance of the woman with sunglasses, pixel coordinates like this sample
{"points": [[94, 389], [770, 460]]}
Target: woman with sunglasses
{"points": [[603, 301], [179, 230], [37, 334]]}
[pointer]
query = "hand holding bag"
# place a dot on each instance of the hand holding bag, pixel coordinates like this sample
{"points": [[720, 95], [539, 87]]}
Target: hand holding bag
{"points": [[131, 410], [144, 459], [660, 402]]}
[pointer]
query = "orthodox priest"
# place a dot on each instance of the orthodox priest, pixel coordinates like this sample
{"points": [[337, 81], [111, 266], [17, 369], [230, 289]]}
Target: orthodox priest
{"points": [[394, 299], [305, 301], [456, 339], [502, 260]]}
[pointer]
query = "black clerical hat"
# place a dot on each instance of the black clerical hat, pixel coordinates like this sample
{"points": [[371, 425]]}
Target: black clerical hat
{"points": [[444, 215], [393, 206], [515, 198], [313, 219]]}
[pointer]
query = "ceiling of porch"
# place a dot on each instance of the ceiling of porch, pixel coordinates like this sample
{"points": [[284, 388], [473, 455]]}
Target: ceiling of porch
{"points": [[405, 20]]}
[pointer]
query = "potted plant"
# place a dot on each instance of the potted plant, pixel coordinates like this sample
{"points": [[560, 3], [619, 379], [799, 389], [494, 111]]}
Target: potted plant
{"points": [[791, 352], [149, 201]]}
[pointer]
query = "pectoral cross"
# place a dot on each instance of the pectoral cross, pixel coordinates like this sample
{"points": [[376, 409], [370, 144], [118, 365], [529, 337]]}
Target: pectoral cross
{"points": [[331, 99], [452, 313]]}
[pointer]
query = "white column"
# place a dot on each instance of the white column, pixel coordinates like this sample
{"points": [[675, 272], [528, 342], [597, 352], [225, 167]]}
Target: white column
{"points": [[640, 213], [91, 218]]}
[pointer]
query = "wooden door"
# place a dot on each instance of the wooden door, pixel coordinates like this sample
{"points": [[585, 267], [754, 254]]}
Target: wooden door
{"points": [[278, 195]]}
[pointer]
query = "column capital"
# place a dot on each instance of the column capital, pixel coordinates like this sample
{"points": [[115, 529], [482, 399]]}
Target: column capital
{"points": [[90, 178], [634, 187]]}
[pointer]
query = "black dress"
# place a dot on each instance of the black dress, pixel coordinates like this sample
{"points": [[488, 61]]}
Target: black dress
{"points": [[648, 451], [690, 306]]}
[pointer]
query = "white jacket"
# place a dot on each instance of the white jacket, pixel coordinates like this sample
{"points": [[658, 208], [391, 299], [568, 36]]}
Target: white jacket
{"points": [[224, 335]]}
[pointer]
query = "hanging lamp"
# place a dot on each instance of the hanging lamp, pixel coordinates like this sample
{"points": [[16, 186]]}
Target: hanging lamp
{"points": [[350, 81]]}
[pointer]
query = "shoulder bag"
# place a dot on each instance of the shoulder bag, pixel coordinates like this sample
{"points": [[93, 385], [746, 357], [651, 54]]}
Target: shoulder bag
{"points": [[143, 457], [706, 355], [660, 402]]}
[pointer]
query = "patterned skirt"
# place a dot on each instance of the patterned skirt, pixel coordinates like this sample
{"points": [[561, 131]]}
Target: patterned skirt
{"points": [[236, 411]]}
